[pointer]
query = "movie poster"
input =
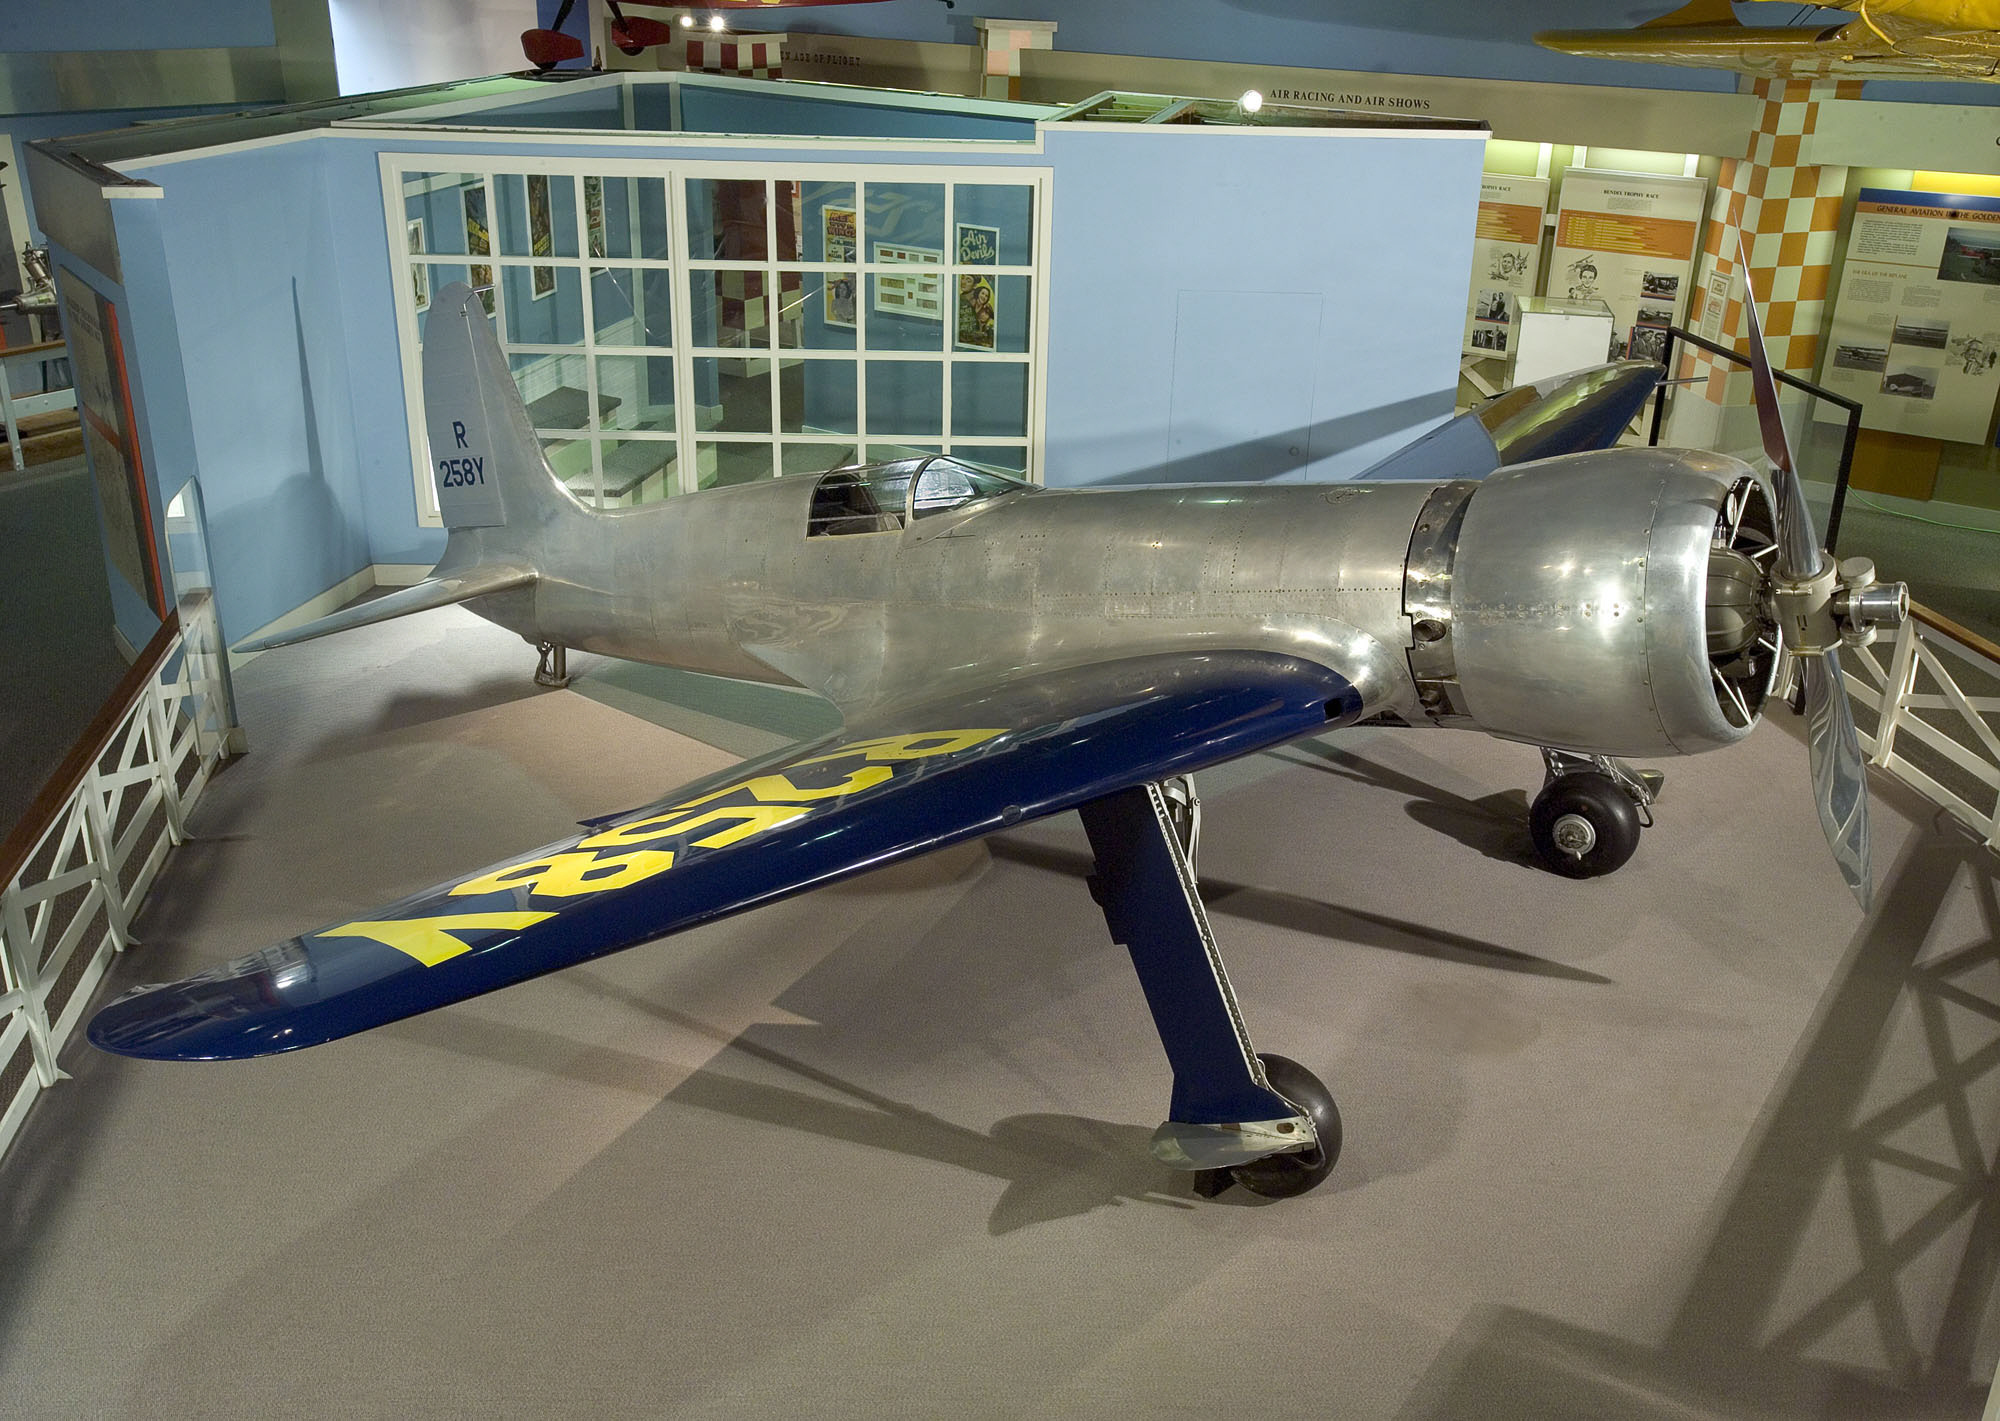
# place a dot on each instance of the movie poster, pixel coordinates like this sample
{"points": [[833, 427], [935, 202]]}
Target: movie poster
{"points": [[1506, 258], [1916, 327], [839, 245], [977, 246], [1629, 240]]}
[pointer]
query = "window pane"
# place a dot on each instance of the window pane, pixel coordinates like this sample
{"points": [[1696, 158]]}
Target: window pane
{"points": [[544, 304], [442, 202], [880, 449], [905, 397], [906, 312], [812, 458], [991, 313], [826, 230], [816, 396], [626, 217], [639, 470], [733, 395], [632, 305], [537, 216], [553, 388], [431, 278], [728, 308], [726, 219], [1004, 219], [636, 392], [725, 464], [570, 459], [988, 397], [1011, 457], [906, 215], [818, 311]]}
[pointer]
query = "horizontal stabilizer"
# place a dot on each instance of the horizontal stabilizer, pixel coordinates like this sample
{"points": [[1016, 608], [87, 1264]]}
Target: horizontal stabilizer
{"points": [[433, 591]]}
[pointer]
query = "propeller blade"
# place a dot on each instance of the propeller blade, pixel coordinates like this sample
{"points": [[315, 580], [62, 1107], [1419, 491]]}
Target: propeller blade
{"points": [[1799, 553], [1839, 774]]}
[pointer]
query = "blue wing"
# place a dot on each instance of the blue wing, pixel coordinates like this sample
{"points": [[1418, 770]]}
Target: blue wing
{"points": [[902, 783]]}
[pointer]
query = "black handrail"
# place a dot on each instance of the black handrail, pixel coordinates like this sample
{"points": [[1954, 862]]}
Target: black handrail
{"points": [[1853, 408]]}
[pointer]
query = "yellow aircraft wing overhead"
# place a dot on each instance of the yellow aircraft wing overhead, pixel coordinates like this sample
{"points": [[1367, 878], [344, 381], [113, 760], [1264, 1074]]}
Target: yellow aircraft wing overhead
{"points": [[1893, 39]]}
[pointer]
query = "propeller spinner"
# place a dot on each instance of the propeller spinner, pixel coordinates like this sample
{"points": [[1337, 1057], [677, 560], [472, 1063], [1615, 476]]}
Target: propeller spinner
{"points": [[1819, 607]]}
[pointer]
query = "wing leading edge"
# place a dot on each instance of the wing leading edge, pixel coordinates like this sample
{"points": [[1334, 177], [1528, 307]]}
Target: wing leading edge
{"points": [[904, 783]]}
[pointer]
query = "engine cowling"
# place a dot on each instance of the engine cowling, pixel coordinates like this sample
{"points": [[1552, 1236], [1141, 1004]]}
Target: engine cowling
{"points": [[1607, 603]]}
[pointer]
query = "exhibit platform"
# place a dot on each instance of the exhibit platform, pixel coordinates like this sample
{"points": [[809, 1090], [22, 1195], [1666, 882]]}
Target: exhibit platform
{"points": [[1697, 1139]]}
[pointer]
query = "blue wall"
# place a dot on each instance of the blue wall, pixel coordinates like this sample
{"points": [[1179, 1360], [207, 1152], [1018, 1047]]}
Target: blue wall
{"points": [[1229, 306], [250, 246], [43, 26]]}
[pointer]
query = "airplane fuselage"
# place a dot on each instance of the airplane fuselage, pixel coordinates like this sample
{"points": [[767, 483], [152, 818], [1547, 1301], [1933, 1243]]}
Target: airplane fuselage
{"points": [[733, 583]]}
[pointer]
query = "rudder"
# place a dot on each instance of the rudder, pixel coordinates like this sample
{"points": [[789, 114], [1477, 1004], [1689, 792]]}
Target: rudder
{"points": [[486, 464]]}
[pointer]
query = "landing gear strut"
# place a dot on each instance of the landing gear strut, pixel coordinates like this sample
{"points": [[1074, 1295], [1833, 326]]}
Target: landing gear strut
{"points": [[1586, 821], [1264, 1122]]}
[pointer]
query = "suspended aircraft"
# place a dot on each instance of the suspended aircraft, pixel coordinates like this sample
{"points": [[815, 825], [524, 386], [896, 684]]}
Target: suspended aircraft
{"points": [[1892, 39], [1002, 652]]}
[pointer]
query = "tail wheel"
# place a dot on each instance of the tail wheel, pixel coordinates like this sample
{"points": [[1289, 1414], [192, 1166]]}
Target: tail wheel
{"points": [[1584, 826]]}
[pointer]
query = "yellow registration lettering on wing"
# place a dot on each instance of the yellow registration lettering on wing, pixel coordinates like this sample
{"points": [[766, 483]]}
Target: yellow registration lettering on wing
{"points": [[430, 940], [743, 821], [570, 875]]}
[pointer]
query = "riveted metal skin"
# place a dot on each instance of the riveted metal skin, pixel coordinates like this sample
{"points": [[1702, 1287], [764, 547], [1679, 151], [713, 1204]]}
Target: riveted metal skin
{"points": [[1579, 602]]}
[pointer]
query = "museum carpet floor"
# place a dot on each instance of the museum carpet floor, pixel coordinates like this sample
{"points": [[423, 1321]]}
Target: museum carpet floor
{"points": [[1694, 1140]]}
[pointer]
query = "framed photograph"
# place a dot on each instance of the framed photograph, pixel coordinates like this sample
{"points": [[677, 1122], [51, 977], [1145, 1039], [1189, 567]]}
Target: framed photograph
{"points": [[478, 243], [593, 215], [837, 244], [978, 246], [920, 295], [541, 279], [420, 275]]}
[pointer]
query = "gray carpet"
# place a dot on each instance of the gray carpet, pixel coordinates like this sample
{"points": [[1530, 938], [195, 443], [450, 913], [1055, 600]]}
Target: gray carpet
{"points": [[1694, 1140]]}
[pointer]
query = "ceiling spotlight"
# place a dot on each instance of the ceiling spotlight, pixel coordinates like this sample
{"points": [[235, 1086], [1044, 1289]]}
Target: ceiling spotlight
{"points": [[687, 21], [716, 23], [1251, 101]]}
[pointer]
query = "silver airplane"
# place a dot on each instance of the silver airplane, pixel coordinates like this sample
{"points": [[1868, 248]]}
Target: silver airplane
{"points": [[1002, 652]]}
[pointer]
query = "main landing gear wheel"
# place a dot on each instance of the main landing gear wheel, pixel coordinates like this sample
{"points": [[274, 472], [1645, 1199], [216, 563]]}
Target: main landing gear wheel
{"points": [[1287, 1176], [1584, 826]]}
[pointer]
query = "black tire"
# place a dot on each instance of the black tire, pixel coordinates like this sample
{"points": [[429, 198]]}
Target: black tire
{"points": [[1591, 801], [1287, 1176]]}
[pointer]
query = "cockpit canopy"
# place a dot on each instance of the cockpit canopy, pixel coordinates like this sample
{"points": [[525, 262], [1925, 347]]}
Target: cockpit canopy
{"points": [[883, 498]]}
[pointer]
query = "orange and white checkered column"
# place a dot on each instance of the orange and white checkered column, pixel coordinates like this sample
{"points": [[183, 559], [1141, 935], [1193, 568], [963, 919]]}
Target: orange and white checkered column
{"points": [[1788, 213], [1003, 42]]}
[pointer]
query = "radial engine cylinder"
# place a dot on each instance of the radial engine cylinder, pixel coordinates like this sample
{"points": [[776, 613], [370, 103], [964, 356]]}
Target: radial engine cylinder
{"points": [[1607, 603]]}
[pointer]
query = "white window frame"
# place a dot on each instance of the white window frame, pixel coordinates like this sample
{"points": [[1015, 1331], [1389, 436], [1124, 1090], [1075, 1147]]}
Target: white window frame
{"points": [[396, 166]]}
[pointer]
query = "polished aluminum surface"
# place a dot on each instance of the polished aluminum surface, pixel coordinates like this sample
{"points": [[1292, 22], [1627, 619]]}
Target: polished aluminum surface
{"points": [[1579, 602]]}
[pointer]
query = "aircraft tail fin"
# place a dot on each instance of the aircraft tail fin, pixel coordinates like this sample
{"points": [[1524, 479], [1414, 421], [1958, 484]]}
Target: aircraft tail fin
{"points": [[486, 462]]}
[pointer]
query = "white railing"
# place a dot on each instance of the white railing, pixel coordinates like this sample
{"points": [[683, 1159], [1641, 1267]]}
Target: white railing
{"points": [[1937, 697], [100, 833]]}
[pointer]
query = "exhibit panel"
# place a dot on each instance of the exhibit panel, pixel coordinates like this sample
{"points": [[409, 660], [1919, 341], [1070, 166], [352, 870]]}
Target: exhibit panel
{"points": [[1629, 240], [1506, 258], [774, 326], [1916, 328]]}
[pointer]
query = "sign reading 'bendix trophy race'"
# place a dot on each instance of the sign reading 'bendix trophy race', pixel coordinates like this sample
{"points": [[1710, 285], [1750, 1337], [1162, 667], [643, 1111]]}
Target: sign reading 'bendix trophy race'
{"points": [[1628, 240], [1916, 331], [1506, 257]]}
